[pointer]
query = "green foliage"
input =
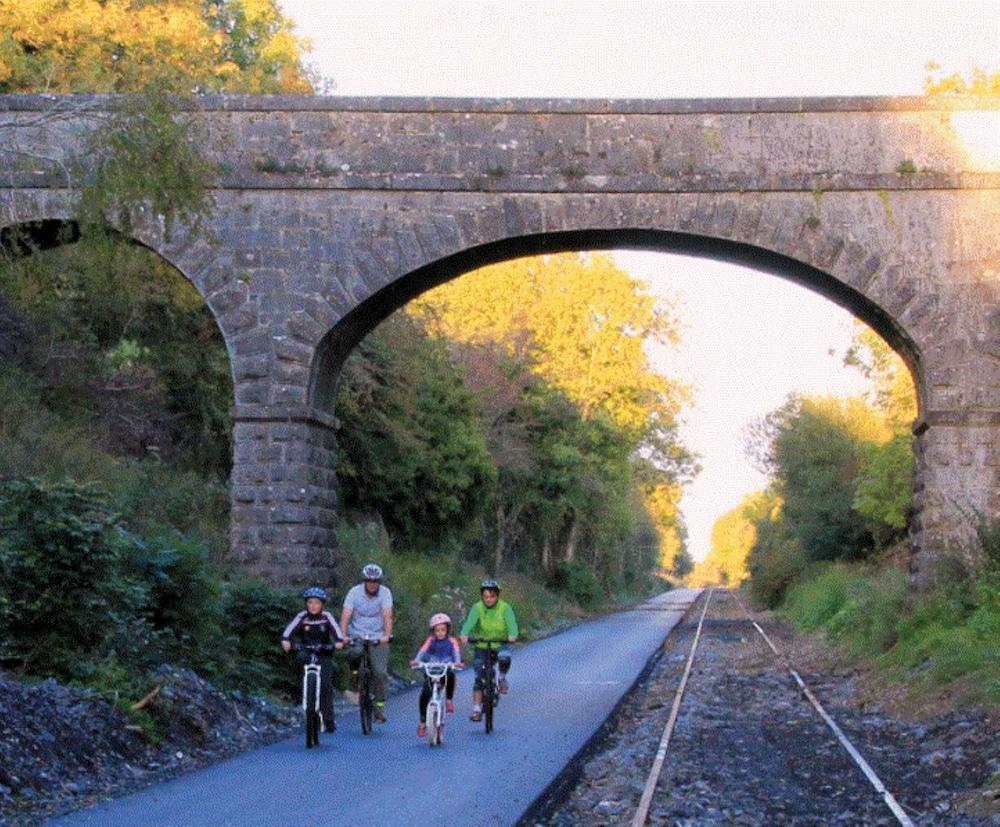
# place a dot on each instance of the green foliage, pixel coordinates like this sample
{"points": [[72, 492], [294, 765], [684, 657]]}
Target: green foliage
{"points": [[120, 336], [62, 594], [883, 489], [817, 599], [143, 157], [254, 615], [818, 459], [775, 562], [579, 582], [411, 448], [924, 641], [182, 602], [858, 604]]}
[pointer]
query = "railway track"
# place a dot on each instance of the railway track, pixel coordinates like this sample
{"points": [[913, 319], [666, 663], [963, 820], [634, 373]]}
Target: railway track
{"points": [[780, 760], [641, 816]]}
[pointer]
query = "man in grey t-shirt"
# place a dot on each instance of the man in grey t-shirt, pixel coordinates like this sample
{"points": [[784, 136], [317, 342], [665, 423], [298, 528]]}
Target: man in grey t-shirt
{"points": [[368, 614]]}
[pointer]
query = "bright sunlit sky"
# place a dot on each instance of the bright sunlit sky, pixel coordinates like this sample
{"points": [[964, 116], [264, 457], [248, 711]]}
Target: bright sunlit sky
{"points": [[749, 339]]}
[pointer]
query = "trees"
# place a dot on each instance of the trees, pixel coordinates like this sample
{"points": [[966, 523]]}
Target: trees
{"points": [[594, 425], [841, 467], [979, 82], [581, 323], [733, 537], [180, 46], [411, 448]]}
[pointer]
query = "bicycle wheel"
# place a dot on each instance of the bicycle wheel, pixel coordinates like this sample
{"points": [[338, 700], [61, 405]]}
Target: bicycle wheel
{"points": [[431, 721], [366, 701], [311, 715]]}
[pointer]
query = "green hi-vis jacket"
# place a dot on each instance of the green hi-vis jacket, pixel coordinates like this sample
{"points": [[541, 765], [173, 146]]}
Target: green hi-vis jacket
{"points": [[497, 623]]}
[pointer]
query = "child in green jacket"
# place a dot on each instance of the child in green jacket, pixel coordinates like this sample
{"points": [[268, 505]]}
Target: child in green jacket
{"points": [[491, 619]]}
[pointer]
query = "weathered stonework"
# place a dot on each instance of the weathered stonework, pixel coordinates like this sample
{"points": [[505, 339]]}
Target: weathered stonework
{"points": [[331, 213]]}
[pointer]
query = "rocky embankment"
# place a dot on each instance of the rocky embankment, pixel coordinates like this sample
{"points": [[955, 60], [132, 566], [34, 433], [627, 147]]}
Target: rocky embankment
{"points": [[749, 749], [62, 748]]}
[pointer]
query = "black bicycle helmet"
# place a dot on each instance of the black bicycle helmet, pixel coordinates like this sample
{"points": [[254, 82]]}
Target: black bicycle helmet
{"points": [[314, 591], [490, 584]]}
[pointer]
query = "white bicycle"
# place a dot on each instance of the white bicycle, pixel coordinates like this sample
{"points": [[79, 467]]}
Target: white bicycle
{"points": [[437, 675]]}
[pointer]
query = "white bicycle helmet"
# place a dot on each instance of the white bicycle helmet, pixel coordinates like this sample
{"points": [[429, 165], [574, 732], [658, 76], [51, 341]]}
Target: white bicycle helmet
{"points": [[372, 571], [440, 617]]}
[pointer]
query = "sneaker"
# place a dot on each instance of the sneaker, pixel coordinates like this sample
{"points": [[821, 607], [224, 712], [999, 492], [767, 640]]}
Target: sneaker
{"points": [[449, 707], [421, 730], [355, 681], [477, 714], [330, 727], [380, 713], [503, 686]]}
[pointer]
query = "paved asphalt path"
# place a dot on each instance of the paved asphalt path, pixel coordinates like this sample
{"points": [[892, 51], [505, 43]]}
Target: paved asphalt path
{"points": [[562, 689]]}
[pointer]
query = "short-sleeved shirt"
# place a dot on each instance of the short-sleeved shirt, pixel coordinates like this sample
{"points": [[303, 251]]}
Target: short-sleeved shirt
{"points": [[366, 612]]}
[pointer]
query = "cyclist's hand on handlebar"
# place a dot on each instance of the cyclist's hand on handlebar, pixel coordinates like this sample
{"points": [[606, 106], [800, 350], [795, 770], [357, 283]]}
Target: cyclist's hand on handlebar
{"points": [[465, 640], [384, 639], [511, 639], [286, 645], [339, 644], [414, 663]]}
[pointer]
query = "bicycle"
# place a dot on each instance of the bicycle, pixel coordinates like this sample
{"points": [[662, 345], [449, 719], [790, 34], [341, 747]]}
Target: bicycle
{"points": [[366, 688], [313, 718], [437, 674], [488, 679]]}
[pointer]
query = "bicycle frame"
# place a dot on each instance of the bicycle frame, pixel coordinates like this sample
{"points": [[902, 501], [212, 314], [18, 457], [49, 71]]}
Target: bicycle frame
{"points": [[437, 674], [366, 697], [488, 678], [311, 683]]}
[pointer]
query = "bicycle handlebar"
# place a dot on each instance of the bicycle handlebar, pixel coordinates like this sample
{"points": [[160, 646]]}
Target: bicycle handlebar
{"points": [[375, 640], [435, 668], [488, 640], [311, 647]]}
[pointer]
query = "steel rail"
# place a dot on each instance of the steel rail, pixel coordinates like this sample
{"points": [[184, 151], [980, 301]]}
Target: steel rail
{"points": [[642, 813], [875, 781]]}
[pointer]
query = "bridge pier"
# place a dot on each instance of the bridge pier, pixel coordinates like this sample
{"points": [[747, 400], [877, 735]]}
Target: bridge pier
{"points": [[957, 486], [284, 496]]}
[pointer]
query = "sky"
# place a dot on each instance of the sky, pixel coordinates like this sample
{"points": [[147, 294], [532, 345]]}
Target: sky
{"points": [[749, 339]]}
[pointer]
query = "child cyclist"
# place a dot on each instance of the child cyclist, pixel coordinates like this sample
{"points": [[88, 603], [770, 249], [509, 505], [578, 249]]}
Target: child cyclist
{"points": [[490, 619], [316, 626], [440, 647]]}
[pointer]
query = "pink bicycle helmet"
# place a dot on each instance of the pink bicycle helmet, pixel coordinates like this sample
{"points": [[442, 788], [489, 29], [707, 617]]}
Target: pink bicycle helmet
{"points": [[440, 617]]}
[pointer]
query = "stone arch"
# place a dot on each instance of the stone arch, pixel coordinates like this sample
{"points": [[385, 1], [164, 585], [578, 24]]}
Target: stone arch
{"points": [[51, 228], [57, 228], [344, 336]]}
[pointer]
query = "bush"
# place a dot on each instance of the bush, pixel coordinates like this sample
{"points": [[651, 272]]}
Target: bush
{"points": [[869, 620], [816, 600], [64, 594], [775, 562], [184, 603], [255, 615], [579, 582]]}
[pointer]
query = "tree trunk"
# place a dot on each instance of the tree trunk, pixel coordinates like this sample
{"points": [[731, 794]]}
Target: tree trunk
{"points": [[569, 554], [501, 539], [547, 555]]}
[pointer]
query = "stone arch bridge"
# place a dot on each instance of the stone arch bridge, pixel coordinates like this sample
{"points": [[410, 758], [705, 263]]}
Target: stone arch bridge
{"points": [[330, 213]]}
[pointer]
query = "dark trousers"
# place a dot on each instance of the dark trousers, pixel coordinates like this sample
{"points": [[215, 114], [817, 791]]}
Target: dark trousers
{"points": [[501, 659], [425, 693]]}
